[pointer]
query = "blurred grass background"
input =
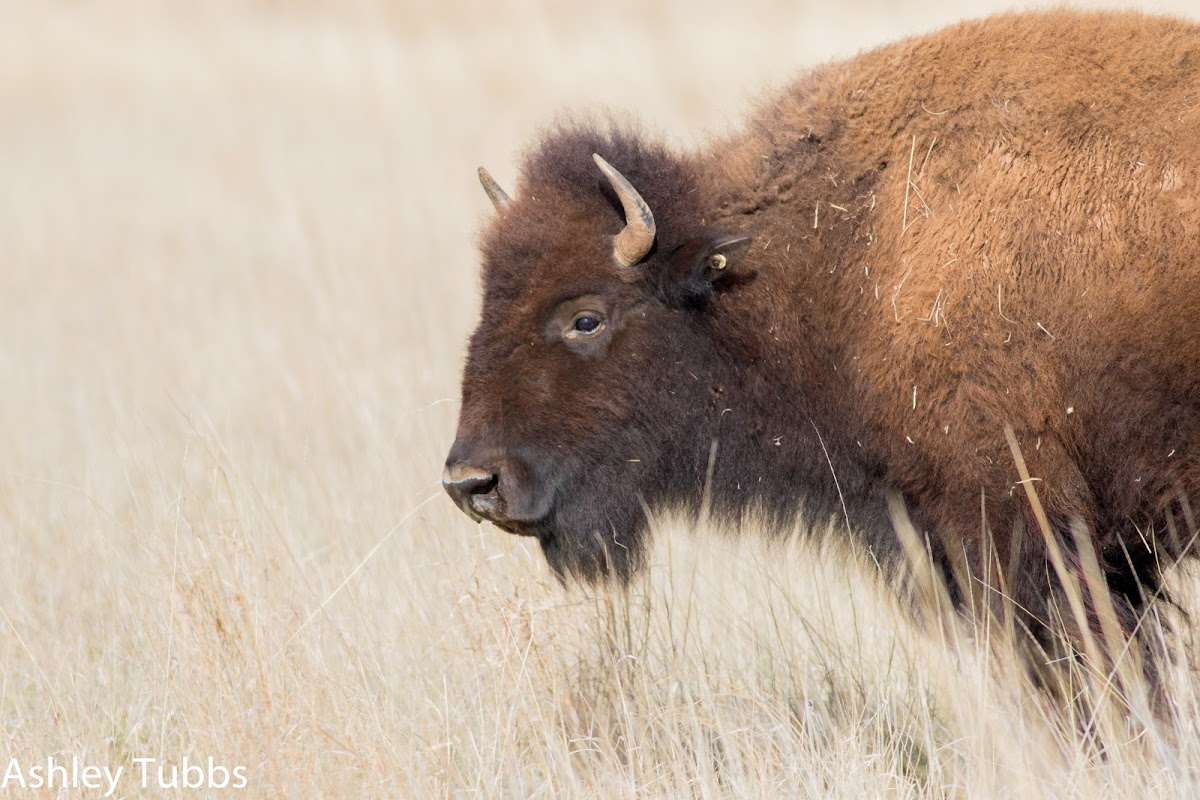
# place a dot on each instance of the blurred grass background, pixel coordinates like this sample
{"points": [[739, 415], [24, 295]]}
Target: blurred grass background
{"points": [[236, 279]]}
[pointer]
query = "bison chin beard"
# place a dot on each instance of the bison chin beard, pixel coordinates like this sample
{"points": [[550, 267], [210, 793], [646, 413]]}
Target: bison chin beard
{"points": [[592, 548]]}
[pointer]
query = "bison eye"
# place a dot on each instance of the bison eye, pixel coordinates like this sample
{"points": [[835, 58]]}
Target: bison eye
{"points": [[587, 323]]}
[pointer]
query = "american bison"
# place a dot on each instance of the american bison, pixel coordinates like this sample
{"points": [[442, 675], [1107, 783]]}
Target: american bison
{"points": [[958, 275]]}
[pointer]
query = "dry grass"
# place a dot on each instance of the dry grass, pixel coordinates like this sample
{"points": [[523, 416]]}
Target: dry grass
{"points": [[236, 275]]}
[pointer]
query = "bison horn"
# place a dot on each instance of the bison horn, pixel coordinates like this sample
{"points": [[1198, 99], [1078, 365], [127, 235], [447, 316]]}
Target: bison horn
{"points": [[497, 195], [635, 240]]}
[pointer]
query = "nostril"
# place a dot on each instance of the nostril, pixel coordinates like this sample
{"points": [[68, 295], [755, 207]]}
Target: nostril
{"points": [[484, 486], [464, 480]]}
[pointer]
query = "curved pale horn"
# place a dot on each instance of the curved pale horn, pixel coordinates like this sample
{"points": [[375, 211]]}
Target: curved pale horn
{"points": [[635, 240], [497, 195]]}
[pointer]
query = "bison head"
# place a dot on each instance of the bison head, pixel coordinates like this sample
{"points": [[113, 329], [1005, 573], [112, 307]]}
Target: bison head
{"points": [[592, 383]]}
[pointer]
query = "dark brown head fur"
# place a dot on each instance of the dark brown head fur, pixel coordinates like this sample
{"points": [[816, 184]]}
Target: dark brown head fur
{"points": [[996, 225]]}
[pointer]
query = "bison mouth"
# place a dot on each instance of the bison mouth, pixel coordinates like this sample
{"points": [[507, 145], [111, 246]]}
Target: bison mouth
{"points": [[515, 527], [569, 553], [537, 528]]}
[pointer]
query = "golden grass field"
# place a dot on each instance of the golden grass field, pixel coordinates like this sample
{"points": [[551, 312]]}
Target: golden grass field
{"points": [[236, 280]]}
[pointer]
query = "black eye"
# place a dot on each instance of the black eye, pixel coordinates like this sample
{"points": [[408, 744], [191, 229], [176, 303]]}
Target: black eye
{"points": [[586, 324]]}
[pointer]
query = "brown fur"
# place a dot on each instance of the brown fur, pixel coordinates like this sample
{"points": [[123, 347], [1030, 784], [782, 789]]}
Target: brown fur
{"points": [[998, 224]]}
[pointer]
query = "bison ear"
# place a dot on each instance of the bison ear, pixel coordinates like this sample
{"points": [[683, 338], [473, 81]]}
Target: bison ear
{"points": [[696, 267]]}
